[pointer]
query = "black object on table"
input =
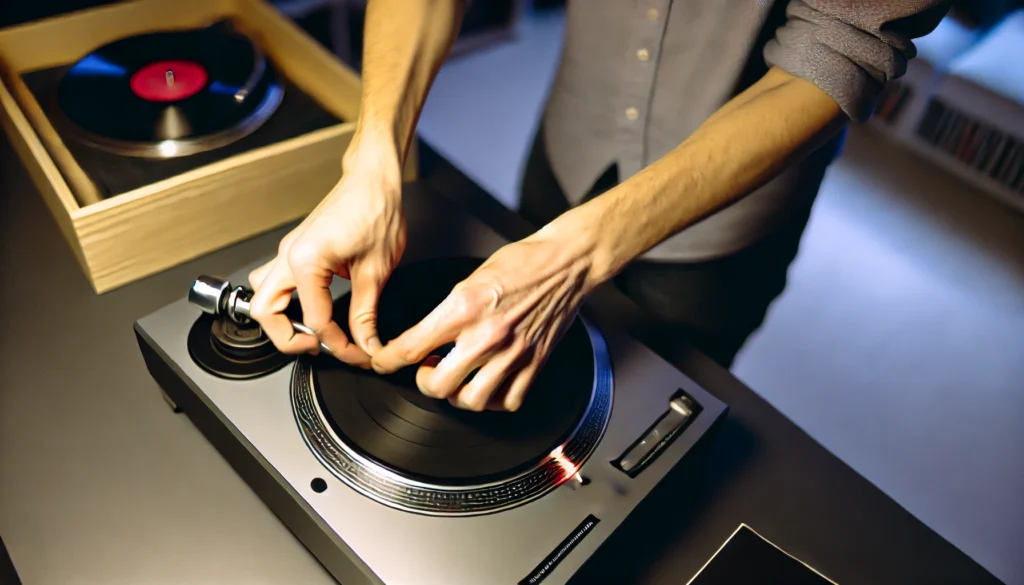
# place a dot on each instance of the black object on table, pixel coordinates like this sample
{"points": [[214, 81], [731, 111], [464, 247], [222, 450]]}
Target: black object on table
{"points": [[8, 576]]}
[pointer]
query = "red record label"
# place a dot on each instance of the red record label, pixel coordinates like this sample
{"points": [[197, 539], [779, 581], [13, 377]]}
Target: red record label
{"points": [[168, 81]]}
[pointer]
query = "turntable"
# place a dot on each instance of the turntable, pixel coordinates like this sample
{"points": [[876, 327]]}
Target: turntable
{"points": [[148, 107], [385, 485], [146, 125]]}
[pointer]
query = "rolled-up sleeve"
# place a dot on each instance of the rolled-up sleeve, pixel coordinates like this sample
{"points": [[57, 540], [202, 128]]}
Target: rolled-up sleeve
{"points": [[851, 49]]}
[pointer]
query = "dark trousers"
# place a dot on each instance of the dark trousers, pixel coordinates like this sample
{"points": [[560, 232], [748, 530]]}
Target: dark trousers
{"points": [[716, 305]]}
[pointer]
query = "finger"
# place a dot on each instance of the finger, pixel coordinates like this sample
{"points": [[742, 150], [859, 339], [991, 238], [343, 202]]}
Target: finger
{"points": [[496, 401], [267, 308], [425, 369], [441, 326], [519, 385], [367, 285], [446, 377], [257, 276], [313, 285], [480, 392]]}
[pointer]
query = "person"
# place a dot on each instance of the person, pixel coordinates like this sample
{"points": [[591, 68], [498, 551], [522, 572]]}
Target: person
{"points": [[679, 155]]}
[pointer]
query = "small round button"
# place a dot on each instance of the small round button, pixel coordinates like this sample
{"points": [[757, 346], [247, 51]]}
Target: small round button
{"points": [[652, 14], [632, 113], [643, 54]]}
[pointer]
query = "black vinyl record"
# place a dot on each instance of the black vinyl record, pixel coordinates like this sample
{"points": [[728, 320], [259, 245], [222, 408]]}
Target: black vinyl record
{"points": [[169, 94], [388, 420]]}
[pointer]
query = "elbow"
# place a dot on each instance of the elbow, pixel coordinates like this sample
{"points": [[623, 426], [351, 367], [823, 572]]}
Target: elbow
{"points": [[847, 56]]}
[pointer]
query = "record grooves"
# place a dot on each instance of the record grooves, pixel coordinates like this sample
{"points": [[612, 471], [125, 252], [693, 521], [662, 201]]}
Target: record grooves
{"points": [[388, 420], [385, 439], [147, 108], [169, 94]]}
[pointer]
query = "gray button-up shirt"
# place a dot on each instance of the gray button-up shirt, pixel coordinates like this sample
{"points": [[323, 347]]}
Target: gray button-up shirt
{"points": [[639, 76]]}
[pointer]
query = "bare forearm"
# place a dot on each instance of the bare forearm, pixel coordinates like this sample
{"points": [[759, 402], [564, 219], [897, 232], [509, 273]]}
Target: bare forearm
{"points": [[406, 43], [747, 142]]}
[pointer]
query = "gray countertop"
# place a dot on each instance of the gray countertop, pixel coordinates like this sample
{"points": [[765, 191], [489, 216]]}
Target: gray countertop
{"points": [[101, 483]]}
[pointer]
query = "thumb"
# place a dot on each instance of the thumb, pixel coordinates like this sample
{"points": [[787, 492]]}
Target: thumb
{"points": [[366, 288]]}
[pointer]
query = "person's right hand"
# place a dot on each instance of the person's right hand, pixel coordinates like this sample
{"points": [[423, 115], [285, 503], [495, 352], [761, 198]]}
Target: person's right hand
{"points": [[357, 232]]}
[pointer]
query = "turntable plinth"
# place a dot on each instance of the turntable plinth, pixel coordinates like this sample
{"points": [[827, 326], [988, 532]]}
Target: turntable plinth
{"points": [[148, 229]]}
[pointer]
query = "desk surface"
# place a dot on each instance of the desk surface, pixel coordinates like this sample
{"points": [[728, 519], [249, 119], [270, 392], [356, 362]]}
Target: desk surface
{"points": [[100, 482]]}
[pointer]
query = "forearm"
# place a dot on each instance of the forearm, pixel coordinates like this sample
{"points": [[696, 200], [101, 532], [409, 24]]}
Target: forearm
{"points": [[406, 43], [748, 141]]}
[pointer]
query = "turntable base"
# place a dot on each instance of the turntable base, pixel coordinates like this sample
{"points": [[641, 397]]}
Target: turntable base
{"points": [[386, 486]]}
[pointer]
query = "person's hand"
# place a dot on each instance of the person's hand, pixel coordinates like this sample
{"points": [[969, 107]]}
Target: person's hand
{"points": [[357, 232], [504, 321]]}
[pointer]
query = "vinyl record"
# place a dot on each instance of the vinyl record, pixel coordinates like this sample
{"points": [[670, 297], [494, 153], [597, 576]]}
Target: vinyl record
{"points": [[169, 94]]}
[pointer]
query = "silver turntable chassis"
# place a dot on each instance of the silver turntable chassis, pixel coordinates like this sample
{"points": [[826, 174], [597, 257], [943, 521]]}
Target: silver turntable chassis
{"points": [[651, 409]]}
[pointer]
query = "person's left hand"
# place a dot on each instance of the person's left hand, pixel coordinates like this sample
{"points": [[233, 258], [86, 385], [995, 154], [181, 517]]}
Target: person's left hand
{"points": [[504, 320]]}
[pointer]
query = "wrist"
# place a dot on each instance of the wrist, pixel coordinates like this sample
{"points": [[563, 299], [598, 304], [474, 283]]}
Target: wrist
{"points": [[579, 232], [373, 154]]}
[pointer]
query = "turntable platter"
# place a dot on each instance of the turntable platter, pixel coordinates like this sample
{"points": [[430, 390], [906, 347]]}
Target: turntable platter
{"points": [[169, 93], [388, 430], [388, 420]]}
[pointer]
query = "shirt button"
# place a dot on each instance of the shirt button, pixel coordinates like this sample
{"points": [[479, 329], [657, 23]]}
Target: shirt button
{"points": [[652, 14], [643, 54], [632, 113]]}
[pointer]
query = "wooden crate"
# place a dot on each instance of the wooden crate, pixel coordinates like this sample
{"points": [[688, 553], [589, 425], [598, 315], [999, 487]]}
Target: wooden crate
{"points": [[132, 235]]}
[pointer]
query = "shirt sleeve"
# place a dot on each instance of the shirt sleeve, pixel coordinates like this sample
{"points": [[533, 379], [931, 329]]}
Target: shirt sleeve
{"points": [[852, 49]]}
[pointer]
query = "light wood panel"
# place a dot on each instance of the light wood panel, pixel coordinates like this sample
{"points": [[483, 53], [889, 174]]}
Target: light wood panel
{"points": [[83, 189], [229, 203], [41, 170]]}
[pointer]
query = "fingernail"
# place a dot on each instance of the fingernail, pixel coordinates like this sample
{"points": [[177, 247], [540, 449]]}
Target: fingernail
{"points": [[373, 345]]}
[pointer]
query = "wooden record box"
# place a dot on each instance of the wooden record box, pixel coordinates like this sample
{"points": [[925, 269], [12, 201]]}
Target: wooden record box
{"points": [[125, 236]]}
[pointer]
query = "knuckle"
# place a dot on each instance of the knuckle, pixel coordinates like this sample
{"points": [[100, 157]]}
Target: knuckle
{"points": [[459, 308], [316, 321], [363, 318], [407, 355], [466, 405], [374, 267], [482, 297], [302, 254], [497, 333], [475, 402], [467, 301], [286, 243]]}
